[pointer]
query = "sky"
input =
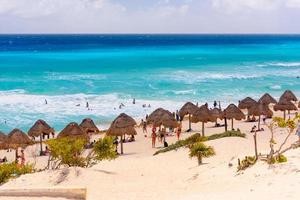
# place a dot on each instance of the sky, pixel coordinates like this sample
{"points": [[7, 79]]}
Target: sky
{"points": [[149, 16]]}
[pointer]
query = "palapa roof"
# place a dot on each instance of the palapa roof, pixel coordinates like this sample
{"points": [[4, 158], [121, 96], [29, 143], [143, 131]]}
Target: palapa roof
{"points": [[246, 103], [88, 126], [73, 130], [284, 104], [3, 140], [122, 125], [215, 114], [267, 99], [162, 117], [233, 112], [17, 138], [201, 115], [260, 109], [3, 137], [187, 108], [40, 127], [289, 96]]}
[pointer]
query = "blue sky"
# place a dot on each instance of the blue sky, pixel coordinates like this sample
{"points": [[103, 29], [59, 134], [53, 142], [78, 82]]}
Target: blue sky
{"points": [[149, 16]]}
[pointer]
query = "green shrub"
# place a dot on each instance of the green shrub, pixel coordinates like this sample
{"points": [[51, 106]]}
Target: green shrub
{"points": [[70, 152], [279, 159], [12, 170], [183, 143], [247, 162], [200, 150], [67, 151], [226, 134], [198, 138], [104, 149]]}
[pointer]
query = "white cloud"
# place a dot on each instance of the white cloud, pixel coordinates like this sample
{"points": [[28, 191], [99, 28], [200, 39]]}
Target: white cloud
{"points": [[235, 5], [106, 16]]}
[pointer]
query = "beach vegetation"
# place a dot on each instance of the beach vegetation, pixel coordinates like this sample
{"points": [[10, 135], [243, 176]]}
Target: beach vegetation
{"points": [[288, 126], [71, 152], [13, 170], [247, 162], [198, 138], [200, 151]]}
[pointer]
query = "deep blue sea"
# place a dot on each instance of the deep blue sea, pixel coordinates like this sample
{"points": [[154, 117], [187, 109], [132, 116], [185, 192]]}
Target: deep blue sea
{"points": [[161, 70]]}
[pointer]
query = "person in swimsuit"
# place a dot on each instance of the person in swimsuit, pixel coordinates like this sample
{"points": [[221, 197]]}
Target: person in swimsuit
{"points": [[178, 132], [153, 136]]}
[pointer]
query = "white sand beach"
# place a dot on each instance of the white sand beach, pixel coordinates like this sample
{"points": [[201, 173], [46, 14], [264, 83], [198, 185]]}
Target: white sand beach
{"points": [[173, 175]]}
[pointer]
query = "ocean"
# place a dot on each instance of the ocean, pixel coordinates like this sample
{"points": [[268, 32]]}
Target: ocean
{"points": [[161, 70]]}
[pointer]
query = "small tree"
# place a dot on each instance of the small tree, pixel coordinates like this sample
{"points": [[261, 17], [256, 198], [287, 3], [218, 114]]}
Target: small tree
{"points": [[200, 150], [71, 152], [289, 126], [66, 151]]}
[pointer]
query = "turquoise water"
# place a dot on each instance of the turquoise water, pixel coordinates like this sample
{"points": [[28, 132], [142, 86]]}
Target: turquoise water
{"points": [[160, 70]]}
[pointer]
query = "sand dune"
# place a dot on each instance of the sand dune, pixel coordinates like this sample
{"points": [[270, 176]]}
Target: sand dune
{"points": [[139, 175]]}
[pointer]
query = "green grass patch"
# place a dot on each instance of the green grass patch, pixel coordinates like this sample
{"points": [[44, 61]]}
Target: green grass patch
{"points": [[13, 170], [198, 138]]}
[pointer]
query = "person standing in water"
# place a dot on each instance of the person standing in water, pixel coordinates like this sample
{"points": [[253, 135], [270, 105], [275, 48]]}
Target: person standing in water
{"points": [[133, 102], [215, 104], [46, 102]]}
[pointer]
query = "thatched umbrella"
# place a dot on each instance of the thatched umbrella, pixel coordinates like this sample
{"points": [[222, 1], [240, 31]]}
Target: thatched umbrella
{"points": [[73, 130], [188, 109], [246, 103], [3, 140], [289, 96], [17, 138], [233, 112], [40, 128], [201, 115], [216, 114], [284, 105], [260, 109], [122, 125], [162, 117], [89, 126], [267, 99]]}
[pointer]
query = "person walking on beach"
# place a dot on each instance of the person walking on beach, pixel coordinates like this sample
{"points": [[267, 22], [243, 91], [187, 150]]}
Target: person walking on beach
{"points": [[153, 136], [178, 132], [144, 126], [22, 158], [298, 133], [46, 102], [177, 116]]}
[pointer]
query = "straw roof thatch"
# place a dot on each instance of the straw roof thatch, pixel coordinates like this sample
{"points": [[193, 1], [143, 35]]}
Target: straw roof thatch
{"points": [[73, 130], [187, 108], [289, 96], [162, 117], [89, 126], [40, 127], [3, 140], [215, 114], [122, 125], [260, 109], [246, 103], [201, 115], [17, 138], [233, 112], [284, 105], [267, 99]]}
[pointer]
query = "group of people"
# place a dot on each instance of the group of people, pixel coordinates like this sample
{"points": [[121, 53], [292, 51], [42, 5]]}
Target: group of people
{"points": [[161, 134]]}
